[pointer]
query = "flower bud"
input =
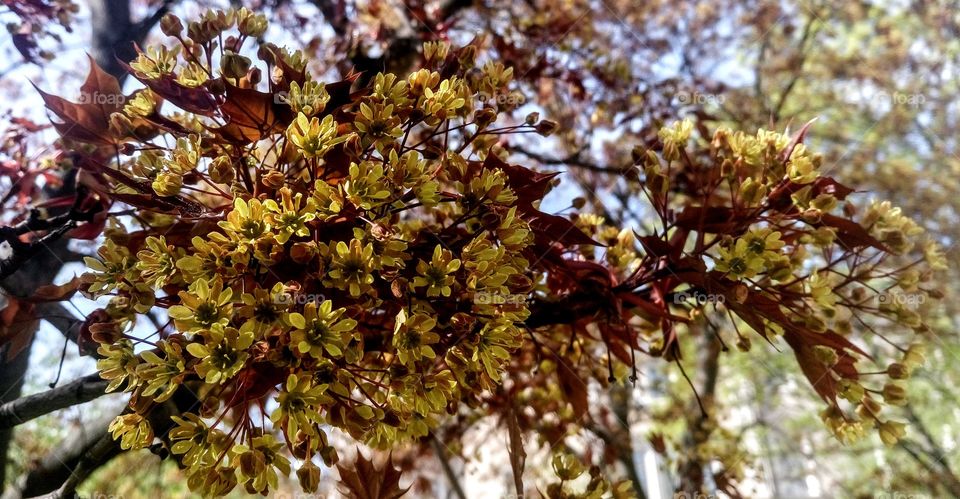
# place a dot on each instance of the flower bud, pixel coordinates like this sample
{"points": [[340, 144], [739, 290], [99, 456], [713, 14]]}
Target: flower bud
{"points": [[898, 371], [894, 394], [170, 25], [309, 476], [546, 128], [234, 65], [273, 179], [167, 184], [891, 432]]}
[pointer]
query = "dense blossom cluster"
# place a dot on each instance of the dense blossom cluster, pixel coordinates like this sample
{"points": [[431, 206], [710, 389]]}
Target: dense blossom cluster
{"points": [[345, 259], [330, 279]]}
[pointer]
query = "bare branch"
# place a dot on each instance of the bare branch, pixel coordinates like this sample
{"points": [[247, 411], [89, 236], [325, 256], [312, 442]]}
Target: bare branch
{"points": [[24, 409]]}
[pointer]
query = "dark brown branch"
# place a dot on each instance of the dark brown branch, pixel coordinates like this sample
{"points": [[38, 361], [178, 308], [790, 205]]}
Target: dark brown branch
{"points": [[445, 464], [574, 160], [24, 409], [51, 471]]}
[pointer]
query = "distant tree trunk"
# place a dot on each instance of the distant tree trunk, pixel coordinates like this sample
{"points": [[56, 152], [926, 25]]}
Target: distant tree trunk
{"points": [[11, 384], [113, 37], [691, 472]]}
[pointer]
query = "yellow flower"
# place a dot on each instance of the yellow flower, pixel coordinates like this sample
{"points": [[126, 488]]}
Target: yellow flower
{"points": [[157, 263], [738, 261], [298, 405], [109, 272], [118, 364], [389, 89], [764, 243], [320, 328], [222, 354], [133, 430], [377, 125], [438, 275], [247, 222], [192, 439], [162, 375], [203, 306], [258, 464], [288, 217], [891, 432], [310, 99], [412, 337], [352, 266], [366, 186], [264, 307], [313, 137]]}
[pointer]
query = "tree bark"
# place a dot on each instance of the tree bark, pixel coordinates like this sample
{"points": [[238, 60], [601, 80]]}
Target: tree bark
{"points": [[76, 392], [113, 38]]}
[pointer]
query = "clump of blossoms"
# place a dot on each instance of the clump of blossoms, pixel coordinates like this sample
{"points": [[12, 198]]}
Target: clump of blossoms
{"points": [[366, 259], [317, 250]]}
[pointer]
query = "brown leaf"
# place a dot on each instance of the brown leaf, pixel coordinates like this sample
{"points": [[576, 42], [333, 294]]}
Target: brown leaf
{"points": [[18, 323], [574, 388], [251, 114], [850, 234], [54, 292], [518, 456], [363, 480], [88, 120], [549, 229], [197, 100]]}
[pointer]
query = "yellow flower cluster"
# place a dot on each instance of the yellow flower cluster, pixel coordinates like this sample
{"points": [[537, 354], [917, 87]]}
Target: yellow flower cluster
{"points": [[333, 270]]}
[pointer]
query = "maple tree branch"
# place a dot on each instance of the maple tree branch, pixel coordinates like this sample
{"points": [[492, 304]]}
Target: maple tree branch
{"points": [[24, 409], [445, 464], [54, 468], [573, 160]]}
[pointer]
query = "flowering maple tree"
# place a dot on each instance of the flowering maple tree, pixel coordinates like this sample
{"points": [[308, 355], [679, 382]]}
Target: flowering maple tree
{"points": [[367, 259]]}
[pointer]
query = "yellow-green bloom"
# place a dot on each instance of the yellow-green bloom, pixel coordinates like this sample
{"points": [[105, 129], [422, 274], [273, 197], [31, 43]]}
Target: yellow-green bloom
{"points": [[203, 306], [309, 99], [313, 137], [352, 266], [377, 124], [764, 243], [412, 336], [289, 217], [258, 464], [247, 222], [162, 375], [118, 363], [264, 307], [298, 405], [438, 275], [222, 354], [366, 187], [320, 328], [157, 263], [133, 430], [194, 440], [738, 261]]}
